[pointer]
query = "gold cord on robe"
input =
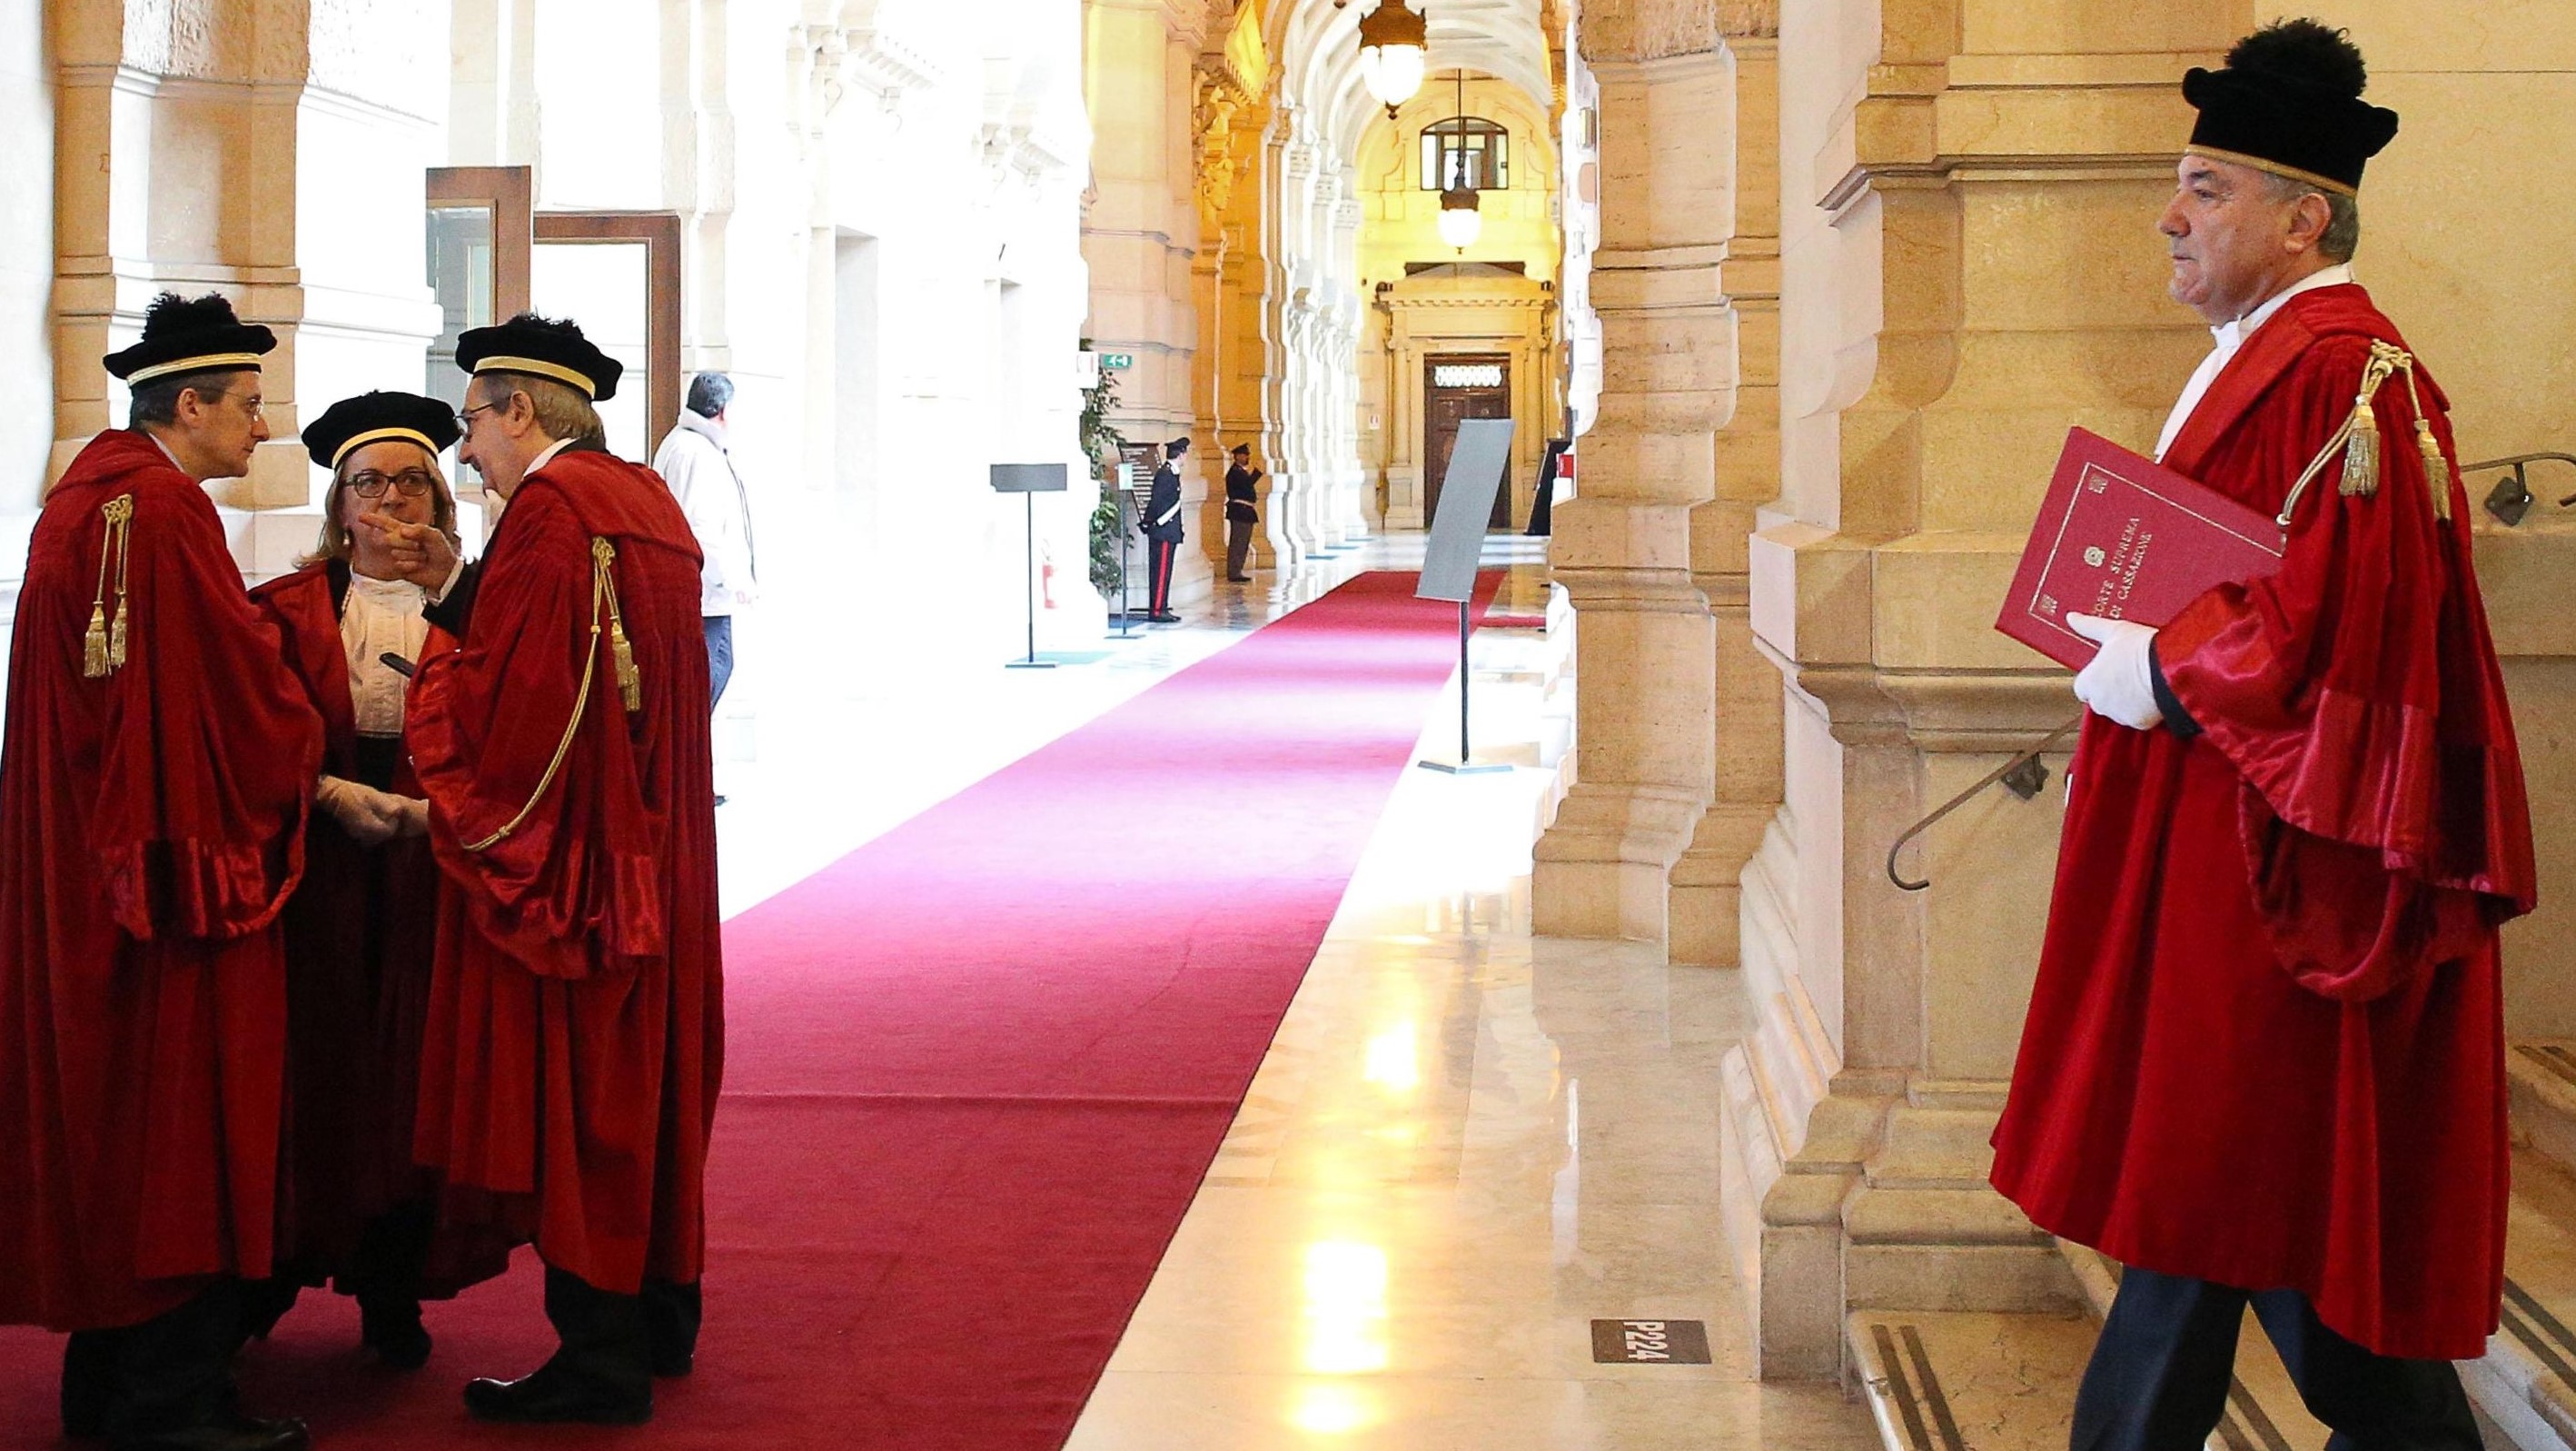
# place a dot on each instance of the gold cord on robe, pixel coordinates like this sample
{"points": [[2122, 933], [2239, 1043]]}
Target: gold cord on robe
{"points": [[103, 644], [630, 680], [2358, 439]]}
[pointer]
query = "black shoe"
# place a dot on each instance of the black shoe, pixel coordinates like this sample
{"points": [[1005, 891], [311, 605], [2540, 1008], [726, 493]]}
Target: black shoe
{"points": [[1166, 618], [89, 1383], [1238, 579], [551, 1394], [264, 1303], [673, 1364], [394, 1332], [233, 1432]]}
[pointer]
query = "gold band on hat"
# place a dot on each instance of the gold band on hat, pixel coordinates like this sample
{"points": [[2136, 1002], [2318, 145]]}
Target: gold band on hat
{"points": [[379, 435], [204, 362], [542, 369], [2321, 183]]}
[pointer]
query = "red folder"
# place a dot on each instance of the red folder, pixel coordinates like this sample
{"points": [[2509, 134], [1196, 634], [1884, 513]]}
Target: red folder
{"points": [[2126, 538]]}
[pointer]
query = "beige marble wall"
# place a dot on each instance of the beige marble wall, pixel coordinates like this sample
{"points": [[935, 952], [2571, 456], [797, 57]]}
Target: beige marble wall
{"points": [[1967, 268]]}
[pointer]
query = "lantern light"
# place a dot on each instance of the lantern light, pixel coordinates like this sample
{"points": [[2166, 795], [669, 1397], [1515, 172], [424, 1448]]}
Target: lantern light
{"points": [[1460, 221], [1392, 38]]}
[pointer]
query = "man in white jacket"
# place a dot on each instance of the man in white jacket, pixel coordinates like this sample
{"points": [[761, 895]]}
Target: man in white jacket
{"points": [[694, 461]]}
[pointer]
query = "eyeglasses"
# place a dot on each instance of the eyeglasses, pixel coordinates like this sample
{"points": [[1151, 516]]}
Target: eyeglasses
{"points": [[249, 401], [465, 416], [412, 482]]}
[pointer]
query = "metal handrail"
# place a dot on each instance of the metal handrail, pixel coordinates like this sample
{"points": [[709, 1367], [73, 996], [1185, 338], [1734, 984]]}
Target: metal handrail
{"points": [[2508, 508], [2028, 758]]}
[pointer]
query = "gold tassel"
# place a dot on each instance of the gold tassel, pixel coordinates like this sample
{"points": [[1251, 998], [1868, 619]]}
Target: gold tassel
{"points": [[122, 515], [103, 649], [2361, 435], [2361, 451], [94, 644], [2437, 469], [630, 680]]}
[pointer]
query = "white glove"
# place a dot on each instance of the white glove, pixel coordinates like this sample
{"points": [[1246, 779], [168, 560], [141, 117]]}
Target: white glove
{"points": [[2119, 682], [367, 814]]}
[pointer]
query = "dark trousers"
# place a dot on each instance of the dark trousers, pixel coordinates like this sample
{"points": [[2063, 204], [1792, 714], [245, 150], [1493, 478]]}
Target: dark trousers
{"points": [[1238, 546], [2159, 1376], [615, 1343], [719, 657], [171, 1372], [1159, 555]]}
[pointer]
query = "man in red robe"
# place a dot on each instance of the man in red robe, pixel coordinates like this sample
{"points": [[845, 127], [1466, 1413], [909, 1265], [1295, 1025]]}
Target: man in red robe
{"points": [[575, 1037], [2264, 1057], [158, 765]]}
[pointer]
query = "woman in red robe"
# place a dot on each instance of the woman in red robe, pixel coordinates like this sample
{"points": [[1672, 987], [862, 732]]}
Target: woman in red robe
{"points": [[361, 930]]}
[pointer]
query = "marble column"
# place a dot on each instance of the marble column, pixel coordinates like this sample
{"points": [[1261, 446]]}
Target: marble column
{"points": [[270, 150], [1141, 229], [1706, 893], [1645, 743]]}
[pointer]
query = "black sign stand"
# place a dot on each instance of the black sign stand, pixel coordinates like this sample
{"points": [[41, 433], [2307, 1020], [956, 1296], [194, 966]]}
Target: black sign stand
{"points": [[1465, 766], [1126, 528], [1028, 481]]}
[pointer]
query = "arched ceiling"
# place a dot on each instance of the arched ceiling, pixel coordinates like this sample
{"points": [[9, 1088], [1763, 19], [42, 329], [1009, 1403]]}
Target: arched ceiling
{"points": [[1318, 47]]}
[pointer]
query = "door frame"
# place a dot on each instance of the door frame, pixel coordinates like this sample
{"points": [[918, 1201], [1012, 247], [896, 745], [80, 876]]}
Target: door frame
{"points": [[660, 234], [1431, 478]]}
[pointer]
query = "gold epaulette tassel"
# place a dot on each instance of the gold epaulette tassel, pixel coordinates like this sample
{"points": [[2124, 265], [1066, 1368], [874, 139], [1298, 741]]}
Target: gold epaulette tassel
{"points": [[103, 643], [94, 643], [2437, 469], [630, 680]]}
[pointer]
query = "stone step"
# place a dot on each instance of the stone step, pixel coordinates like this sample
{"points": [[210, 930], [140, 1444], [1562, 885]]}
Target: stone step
{"points": [[2527, 1380], [1951, 1381], [2540, 1079]]}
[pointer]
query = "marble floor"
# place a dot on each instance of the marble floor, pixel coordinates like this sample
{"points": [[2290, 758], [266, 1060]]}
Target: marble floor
{"points": [[1465, 1144]]}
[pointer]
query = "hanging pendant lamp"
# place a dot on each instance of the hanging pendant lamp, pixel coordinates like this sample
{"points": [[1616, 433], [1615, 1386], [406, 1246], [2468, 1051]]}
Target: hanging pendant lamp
{"points": [[1391, 44], [1461, 219]]}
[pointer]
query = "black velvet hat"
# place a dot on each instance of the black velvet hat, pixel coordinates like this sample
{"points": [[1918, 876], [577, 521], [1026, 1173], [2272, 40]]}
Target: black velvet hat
{"points": [[544, 348], [2289, 102], [191, 335], [369, 418]]}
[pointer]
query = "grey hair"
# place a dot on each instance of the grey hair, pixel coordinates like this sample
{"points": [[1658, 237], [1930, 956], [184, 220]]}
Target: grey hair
{"points": [[709, 393], [2342, 235], [561, 410], [157, 401]]}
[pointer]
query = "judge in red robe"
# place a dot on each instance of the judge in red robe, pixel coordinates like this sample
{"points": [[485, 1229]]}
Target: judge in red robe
{"points": [[158, 764], [361, 928], [2264, 1055], [575, 1035]]}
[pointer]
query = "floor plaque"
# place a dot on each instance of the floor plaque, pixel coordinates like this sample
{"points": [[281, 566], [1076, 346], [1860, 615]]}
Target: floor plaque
{"points": [[1649, 1342]]}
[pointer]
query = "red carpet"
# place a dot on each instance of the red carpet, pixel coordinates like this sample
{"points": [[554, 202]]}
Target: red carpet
{"points": [[976, 1071]]}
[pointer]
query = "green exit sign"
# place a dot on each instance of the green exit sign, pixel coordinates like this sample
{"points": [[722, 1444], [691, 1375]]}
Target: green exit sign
{"points": [[1118, 360]]}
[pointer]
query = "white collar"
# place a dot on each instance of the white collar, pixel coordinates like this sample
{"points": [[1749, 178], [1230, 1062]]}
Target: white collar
{"points": [[2232, 334], [545, 458], [703, 426]]}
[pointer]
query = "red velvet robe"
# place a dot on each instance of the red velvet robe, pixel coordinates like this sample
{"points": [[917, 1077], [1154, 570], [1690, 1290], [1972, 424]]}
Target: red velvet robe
{"points": [[576, 1036], [2266, 1043], [151, 827], [360, 933]]}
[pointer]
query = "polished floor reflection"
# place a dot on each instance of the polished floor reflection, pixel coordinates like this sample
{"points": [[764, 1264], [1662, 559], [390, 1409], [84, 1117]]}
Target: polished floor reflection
{"points": [[1464, 1146]]}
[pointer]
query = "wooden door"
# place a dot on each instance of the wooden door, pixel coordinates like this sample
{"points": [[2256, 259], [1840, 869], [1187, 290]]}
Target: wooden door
{"points": [[1456, 387], [618, 274]]}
